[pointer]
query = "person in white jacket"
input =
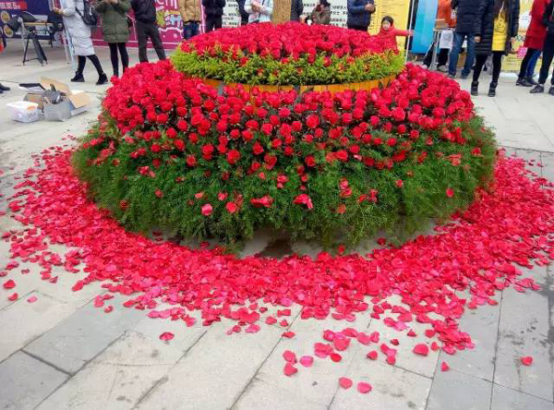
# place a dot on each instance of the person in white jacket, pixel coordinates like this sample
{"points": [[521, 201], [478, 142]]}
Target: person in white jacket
{"points": [[259, 11], [80, 34]]}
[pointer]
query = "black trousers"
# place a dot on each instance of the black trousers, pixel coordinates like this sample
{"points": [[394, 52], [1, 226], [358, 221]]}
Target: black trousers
{"points": [[480, 61], [114, 47], [145, 31], [359, 28], [82, 61], [213, 23], [547, 55], [525, 62], [442, 58]]}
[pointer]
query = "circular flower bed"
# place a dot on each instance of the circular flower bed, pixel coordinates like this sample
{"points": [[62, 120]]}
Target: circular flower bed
{"points": [[170, 152], [287, 54]]}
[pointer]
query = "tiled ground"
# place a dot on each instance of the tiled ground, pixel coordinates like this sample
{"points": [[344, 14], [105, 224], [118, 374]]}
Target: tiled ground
{"points": [[62, 353]]}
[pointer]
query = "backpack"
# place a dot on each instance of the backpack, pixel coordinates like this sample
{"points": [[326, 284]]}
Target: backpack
{"points": [[89, 15]]}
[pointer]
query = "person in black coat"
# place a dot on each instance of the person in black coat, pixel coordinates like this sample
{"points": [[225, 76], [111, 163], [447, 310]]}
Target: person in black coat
{"points": [[296, 9], [146, 27], [547, 51], [496, 26], [243, 14], [359, 14], [213, 10], [466, 12]]}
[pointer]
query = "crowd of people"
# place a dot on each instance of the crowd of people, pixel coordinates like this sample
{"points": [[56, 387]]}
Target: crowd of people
{"points": [[487, 28]]}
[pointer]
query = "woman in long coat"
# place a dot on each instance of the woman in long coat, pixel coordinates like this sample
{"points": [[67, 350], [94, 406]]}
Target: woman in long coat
{"points": [[115, 28], [80, 39], [534, 41], [496, 26]]}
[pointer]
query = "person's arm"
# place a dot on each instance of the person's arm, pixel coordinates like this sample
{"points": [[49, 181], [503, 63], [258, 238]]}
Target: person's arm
{"points": [[267, 8], [478, 24], [353, 9], [402, 33], [326, 16], [547, 13], [101, 7], [69, 9], [371, 3], [123, 6]]}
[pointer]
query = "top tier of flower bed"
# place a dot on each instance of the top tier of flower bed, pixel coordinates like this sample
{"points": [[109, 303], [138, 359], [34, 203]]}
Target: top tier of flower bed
{"points": [[287, 54]]}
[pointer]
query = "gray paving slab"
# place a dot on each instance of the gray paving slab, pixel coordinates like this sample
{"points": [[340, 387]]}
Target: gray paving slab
{"points": [[504, 398], [25, 382], [482, 325], [83, 335], [547, 161], [453, 390], [118, 378], [524, 331]]}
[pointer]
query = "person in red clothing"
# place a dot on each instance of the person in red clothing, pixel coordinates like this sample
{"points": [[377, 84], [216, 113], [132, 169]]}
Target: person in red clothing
{"points": [[388, 33], [534, 41]]}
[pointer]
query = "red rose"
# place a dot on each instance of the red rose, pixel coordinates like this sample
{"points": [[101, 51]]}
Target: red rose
{"points": [[312, 121], [207, 210], [179, 144], [233, 156], [267, 129], [171, 133], [231, 207], [257, 149], [270, 161], [304, 199], [155, 148], [341, 155], [207, 151], [264, 201], [391, 142], [191, 161], [310, 161], [276, 143]]}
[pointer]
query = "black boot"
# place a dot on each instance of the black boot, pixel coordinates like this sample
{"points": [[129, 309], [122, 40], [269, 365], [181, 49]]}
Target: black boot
{"points": [[492, 90], [531, 81], [4, 88], [103, 79], [79, 78], [539, 89], [551, 91], [523, 82], [475, 88]]}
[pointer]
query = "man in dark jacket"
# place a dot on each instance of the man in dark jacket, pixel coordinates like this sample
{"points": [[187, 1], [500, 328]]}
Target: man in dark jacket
{"points": [[296, 9], [547, 51], [145, 17], [359, 14], [213, 10], [466, 13]]}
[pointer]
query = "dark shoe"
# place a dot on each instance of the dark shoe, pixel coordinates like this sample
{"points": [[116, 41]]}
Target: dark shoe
{"points": [[103, 79], [4, 88], [475, 88], [522, 82], [531, 81], [464, 76], [79, 78], [551, 91], [1, 91], [539, 89], [452, 76], [492, 90]]}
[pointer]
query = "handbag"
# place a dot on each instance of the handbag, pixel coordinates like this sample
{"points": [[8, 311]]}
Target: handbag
{"points": [[89, 15]]}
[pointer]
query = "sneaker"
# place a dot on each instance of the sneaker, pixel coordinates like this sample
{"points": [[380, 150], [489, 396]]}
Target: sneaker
{"points": [[442, 69], [464, 76], [531, 81], [79, 78], [452, 76], [4, 88], [522, 82], [537, 90], [551, 91], [103, 79]]}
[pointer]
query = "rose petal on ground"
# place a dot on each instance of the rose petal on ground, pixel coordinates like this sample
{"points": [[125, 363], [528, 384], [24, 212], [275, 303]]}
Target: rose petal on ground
{"points": [[364, 387], [166, 336], [345, 383], [527, 360]]}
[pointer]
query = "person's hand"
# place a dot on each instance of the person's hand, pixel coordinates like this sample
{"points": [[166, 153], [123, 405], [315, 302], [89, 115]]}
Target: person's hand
{"points": [[477, 39], [370, 7], [410, 33]]}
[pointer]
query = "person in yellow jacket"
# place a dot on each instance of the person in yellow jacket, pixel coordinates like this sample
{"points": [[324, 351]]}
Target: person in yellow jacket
{"points": [[191, 14]]}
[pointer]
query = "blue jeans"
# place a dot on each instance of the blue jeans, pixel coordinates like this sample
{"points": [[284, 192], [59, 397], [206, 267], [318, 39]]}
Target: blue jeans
{"points": [[190, 29], [533, 64], [455, 53]]}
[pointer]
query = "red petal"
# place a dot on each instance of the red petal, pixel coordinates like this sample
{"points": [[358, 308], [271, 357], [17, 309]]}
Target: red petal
{"points": [[372, 355], [289, 356], [444, 367], [13, 297], [289, 334], [306, 361], [335, 357], [9, 284], [345, 383], [166, 336], [290, 370], [421, 349], [527, 360], [364, 387], [32, 299]]}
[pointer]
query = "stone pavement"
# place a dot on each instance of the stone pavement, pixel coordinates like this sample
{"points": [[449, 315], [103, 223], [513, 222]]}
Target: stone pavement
{"points": [[62, 353]]}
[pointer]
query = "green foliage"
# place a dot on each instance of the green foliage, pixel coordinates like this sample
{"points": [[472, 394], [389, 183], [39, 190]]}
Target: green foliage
{"points": [[258, 70], [115, 184]]}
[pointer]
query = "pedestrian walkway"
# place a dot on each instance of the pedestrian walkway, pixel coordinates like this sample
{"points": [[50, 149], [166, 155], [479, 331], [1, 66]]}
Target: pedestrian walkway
{"points": [[63, 353]]}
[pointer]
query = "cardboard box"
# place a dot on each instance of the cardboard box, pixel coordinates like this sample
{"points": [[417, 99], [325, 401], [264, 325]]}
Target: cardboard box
{"points": [[74, 102]]}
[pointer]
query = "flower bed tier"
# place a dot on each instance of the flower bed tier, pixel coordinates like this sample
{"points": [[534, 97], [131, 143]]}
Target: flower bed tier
{"points": [[287, 54], [332, 88], [170, 152]]}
